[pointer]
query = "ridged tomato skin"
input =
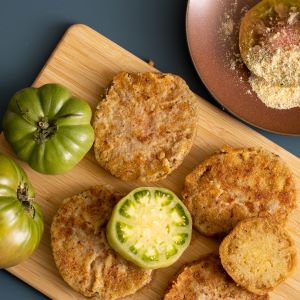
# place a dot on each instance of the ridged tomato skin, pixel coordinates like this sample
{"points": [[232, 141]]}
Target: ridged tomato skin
{"points": [[21, 220], [48, 128]]}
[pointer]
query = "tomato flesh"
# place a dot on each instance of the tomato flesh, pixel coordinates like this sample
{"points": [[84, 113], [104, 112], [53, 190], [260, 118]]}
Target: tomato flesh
{"points": [[150, 227]]}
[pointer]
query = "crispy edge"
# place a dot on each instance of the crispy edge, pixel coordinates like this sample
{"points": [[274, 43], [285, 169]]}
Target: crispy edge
{"points": [[224, 255], [159, 175], [202, 168], [212, 257], [93, 189]]}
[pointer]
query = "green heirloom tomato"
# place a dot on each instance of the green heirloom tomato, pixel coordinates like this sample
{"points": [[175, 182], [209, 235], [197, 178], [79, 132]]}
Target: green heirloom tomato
{"points": [[21, 222], [48, 128]]}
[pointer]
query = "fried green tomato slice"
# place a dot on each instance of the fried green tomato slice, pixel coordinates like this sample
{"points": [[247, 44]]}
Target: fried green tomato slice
{"points": [[150, 227], [269, 41]]}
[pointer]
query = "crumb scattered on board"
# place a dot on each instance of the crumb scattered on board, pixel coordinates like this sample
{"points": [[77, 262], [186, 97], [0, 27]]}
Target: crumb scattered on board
{"points": [[151, 62]]}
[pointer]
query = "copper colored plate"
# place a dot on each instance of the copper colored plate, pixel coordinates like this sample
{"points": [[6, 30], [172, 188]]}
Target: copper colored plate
{"points": [[213, 52]]}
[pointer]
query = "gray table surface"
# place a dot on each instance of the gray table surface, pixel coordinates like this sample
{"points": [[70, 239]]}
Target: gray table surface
{"points": [[153, 29]]}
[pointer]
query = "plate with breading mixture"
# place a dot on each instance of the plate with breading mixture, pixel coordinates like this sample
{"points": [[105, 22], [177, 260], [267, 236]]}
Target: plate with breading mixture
{"points": [[247, 53]]}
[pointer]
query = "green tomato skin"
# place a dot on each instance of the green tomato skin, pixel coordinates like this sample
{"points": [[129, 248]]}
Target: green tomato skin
{"points": [[70, 141], [20, 231]]}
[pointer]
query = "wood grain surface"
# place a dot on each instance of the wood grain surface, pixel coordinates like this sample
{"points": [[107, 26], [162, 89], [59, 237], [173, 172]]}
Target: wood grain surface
{"points": [[85, 62]]}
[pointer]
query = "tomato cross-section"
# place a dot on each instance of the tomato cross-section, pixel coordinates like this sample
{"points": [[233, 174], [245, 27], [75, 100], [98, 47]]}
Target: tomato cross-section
{"points": [[150, 227]]}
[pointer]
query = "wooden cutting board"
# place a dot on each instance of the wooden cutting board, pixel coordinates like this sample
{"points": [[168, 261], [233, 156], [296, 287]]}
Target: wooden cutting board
{"points": [[85, 62]]}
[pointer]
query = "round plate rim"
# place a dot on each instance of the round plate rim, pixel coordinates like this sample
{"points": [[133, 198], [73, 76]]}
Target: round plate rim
{"points": [[212, 93]]}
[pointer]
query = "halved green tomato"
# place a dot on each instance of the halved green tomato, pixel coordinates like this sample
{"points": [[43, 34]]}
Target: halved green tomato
{"points": [[150, 227]]}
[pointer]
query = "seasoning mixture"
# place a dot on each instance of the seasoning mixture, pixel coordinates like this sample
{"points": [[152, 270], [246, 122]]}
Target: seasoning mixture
{"points": [[228, 33], [270, 48], [275, 96], [279, 66]]}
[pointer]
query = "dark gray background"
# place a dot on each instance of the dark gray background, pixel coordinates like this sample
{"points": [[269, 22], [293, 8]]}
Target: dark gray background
{"points": [[153, 29]]}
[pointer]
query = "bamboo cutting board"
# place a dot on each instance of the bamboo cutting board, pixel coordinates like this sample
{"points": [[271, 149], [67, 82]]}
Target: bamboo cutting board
{"points": [[85, 62]]}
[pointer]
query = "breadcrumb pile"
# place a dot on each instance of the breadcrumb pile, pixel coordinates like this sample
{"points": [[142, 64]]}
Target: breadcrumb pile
{"points": [[273, 54], [275, 96]]}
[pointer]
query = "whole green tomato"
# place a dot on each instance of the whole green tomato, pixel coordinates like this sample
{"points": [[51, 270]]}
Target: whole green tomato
{"points": [[21, 222], [48, 128]]}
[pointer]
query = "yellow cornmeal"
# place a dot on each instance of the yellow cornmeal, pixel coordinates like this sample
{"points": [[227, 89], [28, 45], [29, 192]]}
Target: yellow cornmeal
{"points": [[276, 76], [275, 96], [270, 48], [279, 67]]}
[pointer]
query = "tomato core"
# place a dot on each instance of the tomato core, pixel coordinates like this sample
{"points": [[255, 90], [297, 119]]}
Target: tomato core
{"points": [[26, 201], [45, 130]]}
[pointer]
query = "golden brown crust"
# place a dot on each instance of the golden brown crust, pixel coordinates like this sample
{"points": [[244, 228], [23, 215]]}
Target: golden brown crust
{"points": [[145, 126], [81, 252], [258, 254], [206, 279], [236, 184]]}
